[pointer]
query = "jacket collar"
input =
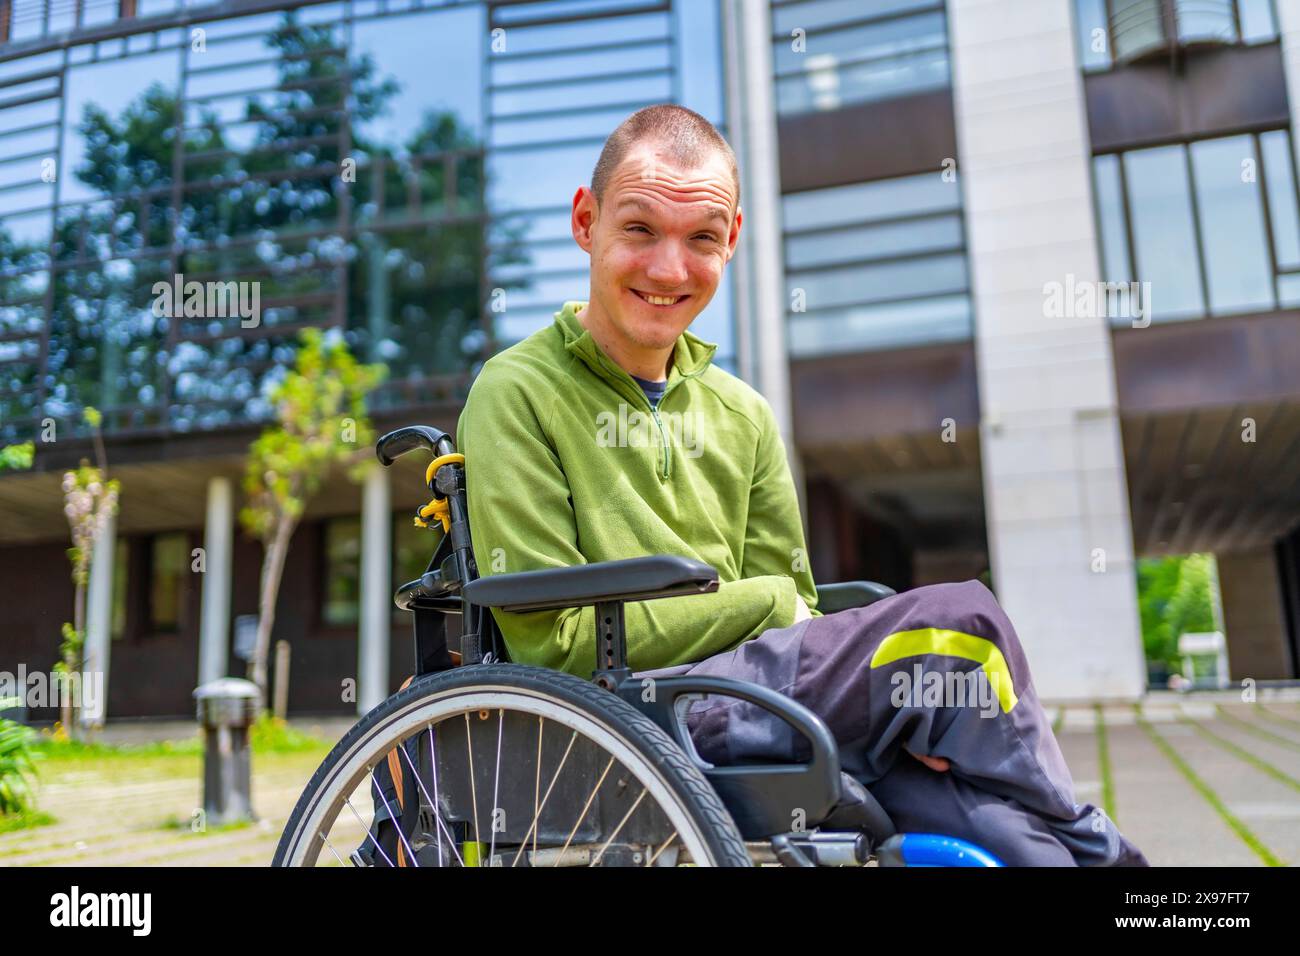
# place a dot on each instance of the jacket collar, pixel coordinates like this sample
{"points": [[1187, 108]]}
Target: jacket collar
{"points": [[691, 354]]}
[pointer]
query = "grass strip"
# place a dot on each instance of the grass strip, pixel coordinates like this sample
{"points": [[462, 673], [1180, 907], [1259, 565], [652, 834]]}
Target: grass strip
{"points": [[1205, 790], [1103, 765], [1246, 725], [1259, 763]]}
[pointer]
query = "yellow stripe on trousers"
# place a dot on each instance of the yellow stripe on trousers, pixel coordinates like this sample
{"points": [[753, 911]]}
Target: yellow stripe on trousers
{"points": [[938, 640]]}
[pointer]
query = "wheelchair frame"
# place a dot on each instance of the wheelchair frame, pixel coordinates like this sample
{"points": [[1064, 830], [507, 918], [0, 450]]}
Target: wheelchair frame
{"points": [[843, 823]]}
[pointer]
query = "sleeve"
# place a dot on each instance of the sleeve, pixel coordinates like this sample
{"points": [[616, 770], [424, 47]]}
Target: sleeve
{"points": [[774, 538], [522, 519]]}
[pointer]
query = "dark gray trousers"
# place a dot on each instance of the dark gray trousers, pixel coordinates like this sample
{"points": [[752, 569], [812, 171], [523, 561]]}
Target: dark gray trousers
{"points": [[938, 671]]}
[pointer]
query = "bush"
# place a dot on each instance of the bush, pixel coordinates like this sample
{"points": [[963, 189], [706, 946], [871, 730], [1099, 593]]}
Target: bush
{"points": [[1175, 596], [271, 734], [16, 767]]}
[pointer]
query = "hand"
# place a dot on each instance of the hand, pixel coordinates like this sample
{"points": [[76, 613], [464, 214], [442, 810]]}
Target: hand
{"points": [[801, 612], [934, 763]]}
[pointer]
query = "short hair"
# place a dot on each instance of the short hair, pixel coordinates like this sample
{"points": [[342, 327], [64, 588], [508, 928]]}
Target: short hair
{"points": [[687, 137]]}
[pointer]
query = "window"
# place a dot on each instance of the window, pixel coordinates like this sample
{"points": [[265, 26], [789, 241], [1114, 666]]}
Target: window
{"points": [[1212, 225], [1164, 233], [557, 89], [875, 265], [121, 559], [829, 54], [1123, 29], [1237, 273], [169, 557], [412, 548], [342, 572], [267, 108]]}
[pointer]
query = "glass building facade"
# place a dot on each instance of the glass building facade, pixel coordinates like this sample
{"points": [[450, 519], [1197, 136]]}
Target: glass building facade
{"points": [[368, 166], [402, 172]]}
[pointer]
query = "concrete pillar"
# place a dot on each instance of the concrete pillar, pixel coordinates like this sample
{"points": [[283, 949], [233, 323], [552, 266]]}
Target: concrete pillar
{"points": [[1054, 484], [1253, 620], [218, 564], [761, 339], [376, 589], [99, 628]]}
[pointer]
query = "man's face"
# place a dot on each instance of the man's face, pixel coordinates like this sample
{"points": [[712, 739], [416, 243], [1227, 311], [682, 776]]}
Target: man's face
{"points": [[658, 245]]}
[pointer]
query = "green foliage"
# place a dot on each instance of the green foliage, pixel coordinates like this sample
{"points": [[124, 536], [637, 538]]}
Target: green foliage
{"points": [[70, 650], [55, 747], [17, 769], [319, 421], [268, 735], [186, 825], [25, 820], [1175, 597], [17, 457], [271, 734]]}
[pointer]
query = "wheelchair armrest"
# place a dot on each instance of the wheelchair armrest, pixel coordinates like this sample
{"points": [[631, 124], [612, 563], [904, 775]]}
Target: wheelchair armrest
{"points": [[841, 597], [761, 797], [632, 579]]}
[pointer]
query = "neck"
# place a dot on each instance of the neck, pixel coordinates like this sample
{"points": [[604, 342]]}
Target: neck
{"points": [[649, 364]]}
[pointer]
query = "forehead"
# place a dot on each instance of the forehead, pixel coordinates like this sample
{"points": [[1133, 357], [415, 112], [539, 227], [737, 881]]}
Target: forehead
{"points": [[647, 180]]}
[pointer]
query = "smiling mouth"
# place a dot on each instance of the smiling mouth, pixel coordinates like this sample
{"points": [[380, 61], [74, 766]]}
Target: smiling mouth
{"points": [[660, 301]]}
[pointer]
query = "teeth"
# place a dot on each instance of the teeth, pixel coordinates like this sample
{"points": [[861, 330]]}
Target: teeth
{"points": [[660, 299]]}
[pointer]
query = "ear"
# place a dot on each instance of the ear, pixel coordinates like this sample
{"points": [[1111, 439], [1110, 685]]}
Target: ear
{"points": [[582, 219], [734, 236]]}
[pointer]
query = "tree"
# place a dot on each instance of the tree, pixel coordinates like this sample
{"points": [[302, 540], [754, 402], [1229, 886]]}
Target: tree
{"points": [[89, 501], [1174, 598], [17, 457], [319, 422]]}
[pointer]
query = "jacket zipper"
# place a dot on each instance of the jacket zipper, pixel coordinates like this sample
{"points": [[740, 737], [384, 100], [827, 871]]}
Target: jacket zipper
{"points": [[654, 411], [668, 451]]}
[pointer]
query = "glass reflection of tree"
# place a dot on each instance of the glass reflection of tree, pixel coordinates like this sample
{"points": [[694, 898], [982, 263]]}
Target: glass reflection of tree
{"points": [[22, 281], [375, 253]]}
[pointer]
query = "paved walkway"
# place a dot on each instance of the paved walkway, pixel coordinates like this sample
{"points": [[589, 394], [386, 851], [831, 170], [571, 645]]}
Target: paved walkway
{"points": [[1193, 779], [1197, 779]]}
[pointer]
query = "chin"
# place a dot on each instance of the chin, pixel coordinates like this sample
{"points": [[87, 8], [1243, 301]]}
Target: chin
{"points": [[657, 336]]}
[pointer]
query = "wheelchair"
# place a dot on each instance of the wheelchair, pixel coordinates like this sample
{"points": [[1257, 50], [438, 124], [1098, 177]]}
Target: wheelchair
{"points": [[478, 761]]}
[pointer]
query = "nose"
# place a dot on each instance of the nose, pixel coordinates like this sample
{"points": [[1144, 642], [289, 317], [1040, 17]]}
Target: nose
{"points": [[667, 264]]}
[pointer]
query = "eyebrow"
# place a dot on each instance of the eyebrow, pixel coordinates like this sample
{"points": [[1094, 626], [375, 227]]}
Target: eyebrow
{"points": [[714, 211]]}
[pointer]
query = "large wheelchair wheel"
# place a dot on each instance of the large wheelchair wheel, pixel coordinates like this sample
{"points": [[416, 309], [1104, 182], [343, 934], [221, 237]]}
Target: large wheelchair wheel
{"points": [[509, 766]]}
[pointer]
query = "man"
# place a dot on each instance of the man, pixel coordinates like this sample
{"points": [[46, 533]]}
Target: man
{"points": [[610, 435]]}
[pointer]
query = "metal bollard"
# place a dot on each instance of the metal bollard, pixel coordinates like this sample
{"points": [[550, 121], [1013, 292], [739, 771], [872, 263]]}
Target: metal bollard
{"points": [[227, 708]]}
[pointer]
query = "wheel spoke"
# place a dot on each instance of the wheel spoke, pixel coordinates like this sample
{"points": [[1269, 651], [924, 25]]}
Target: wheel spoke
{"points": [[496, 785], [619, 828], [397, 821], [371, 836], [537, 781], [549, 787], [583, 815], [671, 837], [433, 762], [332, 850], [439, 826], [473, 791]]}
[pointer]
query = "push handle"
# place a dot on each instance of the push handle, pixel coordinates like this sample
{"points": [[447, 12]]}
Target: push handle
{"points": [[397, 443]]}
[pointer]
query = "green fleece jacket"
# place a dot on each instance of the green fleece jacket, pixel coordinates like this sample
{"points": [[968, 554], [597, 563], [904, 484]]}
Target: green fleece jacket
{"points": [[567, 463]]}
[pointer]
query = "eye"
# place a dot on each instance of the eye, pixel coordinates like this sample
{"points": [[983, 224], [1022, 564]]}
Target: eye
{"points": [[638, 226]]}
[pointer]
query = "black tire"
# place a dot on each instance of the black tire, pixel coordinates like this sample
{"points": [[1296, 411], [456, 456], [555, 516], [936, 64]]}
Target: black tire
{"points": [[378, 731]]}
